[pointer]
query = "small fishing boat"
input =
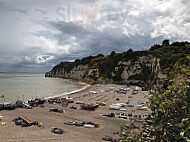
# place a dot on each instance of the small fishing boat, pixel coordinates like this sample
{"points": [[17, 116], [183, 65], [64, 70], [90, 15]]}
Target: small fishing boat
{"points": [[88, 126], [115, 106], [101, 103], [69, 123], [1, 106], [9, 106], [88, 106], [143, 108], [57, 130]]}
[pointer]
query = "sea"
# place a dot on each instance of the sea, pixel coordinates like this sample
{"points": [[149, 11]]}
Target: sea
{"points": [[28, 86]]}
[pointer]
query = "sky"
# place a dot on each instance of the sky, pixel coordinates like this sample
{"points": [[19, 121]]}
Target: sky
{"points": [[38, 34]]}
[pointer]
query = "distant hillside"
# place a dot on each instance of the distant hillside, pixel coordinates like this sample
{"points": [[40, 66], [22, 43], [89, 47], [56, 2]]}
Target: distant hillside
{"points": [[145, 68]]}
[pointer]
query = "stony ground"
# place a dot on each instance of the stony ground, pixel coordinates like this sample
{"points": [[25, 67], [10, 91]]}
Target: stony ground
{"points": [[11, 132]]}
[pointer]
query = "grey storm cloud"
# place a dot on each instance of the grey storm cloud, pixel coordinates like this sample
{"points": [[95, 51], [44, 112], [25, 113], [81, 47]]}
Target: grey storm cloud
{"points": [[36, 35]]}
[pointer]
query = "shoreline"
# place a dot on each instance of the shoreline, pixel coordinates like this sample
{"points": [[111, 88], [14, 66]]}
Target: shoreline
{"points": [[85, 87]]}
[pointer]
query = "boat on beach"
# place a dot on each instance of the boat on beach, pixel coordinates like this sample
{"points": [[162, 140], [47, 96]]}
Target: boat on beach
{"points": [[7, 106], [115, 106], [88, 106], [89, 126], [101, 103]]}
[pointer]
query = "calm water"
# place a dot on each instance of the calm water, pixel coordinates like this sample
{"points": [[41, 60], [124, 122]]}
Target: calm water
{"points": [[27, 86]]}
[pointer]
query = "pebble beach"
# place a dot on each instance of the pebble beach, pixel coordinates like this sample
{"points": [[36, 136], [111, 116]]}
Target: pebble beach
{"points": [[108, 126]]}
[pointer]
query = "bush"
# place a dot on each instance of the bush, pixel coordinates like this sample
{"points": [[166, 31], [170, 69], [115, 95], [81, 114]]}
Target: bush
{"points": [[170, 119]]}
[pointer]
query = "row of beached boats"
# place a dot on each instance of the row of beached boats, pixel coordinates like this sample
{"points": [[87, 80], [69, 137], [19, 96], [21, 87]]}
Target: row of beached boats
{"points": [[7, 106], [118, 106], [82, 124], [21, 104]]}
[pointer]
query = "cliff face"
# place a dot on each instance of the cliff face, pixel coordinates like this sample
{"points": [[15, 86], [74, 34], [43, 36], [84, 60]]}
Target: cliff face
{"points": [[141, 71], [144, 68]]}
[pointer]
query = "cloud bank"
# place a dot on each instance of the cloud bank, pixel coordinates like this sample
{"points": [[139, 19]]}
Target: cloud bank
{"points": [[35, 36]]}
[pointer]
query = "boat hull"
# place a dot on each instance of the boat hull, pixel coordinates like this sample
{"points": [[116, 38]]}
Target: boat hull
{"points": [[88, 107]]}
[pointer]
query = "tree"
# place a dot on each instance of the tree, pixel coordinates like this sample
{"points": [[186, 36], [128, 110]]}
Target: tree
{"points": [[112, 53], [166, 42], [100, 55], [155, 46], [170, 119], [130, 51], [77, 60]]}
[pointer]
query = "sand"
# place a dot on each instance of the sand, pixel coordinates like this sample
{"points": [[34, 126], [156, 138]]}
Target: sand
{"points": [[13, 133]]}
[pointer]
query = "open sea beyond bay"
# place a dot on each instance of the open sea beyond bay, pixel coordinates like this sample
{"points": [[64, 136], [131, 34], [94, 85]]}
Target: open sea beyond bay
{"points": [[27, 86]]}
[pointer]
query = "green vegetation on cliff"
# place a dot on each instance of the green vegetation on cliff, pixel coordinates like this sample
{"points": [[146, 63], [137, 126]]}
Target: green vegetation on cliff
{"points": [[140, 67], [177, 52]]}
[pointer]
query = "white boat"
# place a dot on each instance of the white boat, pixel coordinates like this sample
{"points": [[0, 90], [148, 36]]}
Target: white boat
{"points": [[139, 106], [115, 107], [117, 104], [143, 108], [93, 92], [69, 98], [27, 106], [88, 126], [123, 109], [121, 104], [122, 115], [127, 89]]}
